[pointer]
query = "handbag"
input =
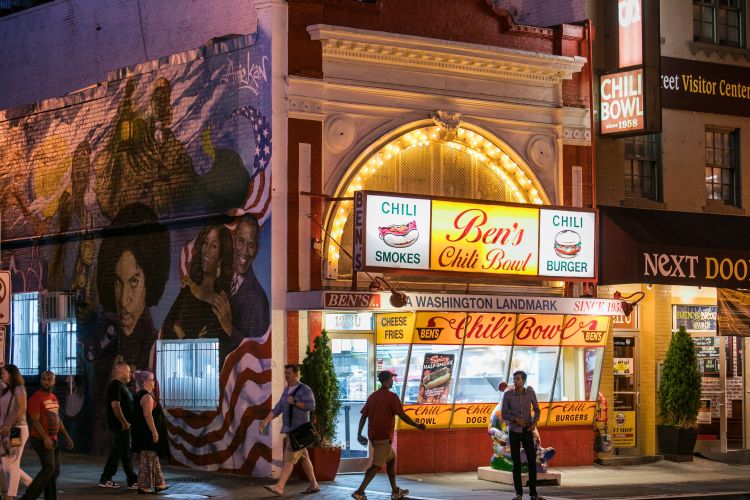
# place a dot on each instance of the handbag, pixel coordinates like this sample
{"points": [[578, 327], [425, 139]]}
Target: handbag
{"points": [[303, 436], [14, 437]]}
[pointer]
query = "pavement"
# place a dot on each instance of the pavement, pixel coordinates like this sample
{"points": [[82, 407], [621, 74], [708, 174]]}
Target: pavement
{"points": [[698, 479]]}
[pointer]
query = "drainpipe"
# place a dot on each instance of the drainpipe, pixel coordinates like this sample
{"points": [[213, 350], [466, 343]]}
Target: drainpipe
{"points": [[590, 37]]}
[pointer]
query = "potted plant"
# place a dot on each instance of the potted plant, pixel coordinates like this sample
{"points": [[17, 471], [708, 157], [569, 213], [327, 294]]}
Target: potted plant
{"points": [[318, 373], [679, 399]]}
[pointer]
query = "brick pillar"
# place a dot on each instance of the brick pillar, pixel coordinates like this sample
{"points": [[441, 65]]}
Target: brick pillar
{"points": [[656, 332]]}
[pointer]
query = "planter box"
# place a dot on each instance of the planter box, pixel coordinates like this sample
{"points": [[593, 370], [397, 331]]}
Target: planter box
{"points": [[676, 443], [325, 463]]}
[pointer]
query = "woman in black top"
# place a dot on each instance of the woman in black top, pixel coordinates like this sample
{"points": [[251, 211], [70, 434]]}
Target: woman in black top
{"points": [[146, 438]]}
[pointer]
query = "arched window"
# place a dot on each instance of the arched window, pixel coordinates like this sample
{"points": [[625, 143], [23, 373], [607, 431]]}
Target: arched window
{"points": [[466, 163]]}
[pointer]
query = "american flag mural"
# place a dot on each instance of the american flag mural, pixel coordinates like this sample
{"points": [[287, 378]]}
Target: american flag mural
{"points": [[228, 438]]}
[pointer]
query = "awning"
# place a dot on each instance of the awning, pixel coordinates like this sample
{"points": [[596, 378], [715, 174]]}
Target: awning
{"points": [[673, 248]]}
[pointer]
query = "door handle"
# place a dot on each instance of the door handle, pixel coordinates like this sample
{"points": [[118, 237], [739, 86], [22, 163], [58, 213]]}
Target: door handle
{"points": [[638, 399]]}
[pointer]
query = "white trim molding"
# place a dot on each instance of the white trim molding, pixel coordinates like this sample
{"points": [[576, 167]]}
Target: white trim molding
{"points": [[440, 56]]}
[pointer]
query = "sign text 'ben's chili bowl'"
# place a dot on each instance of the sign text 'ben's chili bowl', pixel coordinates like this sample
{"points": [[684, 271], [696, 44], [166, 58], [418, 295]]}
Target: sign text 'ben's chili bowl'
{"points": [[464, 236]]}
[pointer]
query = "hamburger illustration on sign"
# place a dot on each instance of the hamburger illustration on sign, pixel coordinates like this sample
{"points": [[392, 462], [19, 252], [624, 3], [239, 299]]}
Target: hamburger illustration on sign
{"points": [[399, 235], [567, 244]]}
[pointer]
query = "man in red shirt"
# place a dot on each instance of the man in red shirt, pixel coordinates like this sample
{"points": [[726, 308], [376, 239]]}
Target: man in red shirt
{"points": [[381, 408], [44, 412]]}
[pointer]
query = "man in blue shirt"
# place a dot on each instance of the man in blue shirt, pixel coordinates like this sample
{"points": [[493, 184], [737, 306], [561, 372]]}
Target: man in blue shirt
{"points": [[516, 410], [298, 399]]}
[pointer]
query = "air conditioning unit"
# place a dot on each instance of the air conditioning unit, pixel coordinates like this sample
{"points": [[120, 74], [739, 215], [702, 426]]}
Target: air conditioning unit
{"points": [[57, 306]]}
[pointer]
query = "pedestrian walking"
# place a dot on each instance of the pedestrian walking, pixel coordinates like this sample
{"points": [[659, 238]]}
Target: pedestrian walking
{"points": [[146, 435], [14, 429], [119, 420], [44, 413], [381, 409], [295, 404], [516, 410]]}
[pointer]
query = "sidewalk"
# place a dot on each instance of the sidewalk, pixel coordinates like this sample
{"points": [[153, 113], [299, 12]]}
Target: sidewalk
{"points": [[701, 478]]}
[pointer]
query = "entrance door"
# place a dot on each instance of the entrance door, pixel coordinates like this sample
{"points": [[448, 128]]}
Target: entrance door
{"points": [[353, 360], [712, 413], [626, 406]]}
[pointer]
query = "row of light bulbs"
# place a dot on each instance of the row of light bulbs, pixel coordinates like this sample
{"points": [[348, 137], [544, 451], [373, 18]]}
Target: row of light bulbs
{"points": [[466, 140]]}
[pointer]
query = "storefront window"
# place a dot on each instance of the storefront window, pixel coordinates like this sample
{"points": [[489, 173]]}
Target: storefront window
{"points": [[482, 369], [578, 374], [393, 358], [539, 365], [432, 374]]}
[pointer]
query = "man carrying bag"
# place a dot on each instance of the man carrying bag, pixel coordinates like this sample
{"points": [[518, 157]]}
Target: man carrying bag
{"points": [[296, 403]]}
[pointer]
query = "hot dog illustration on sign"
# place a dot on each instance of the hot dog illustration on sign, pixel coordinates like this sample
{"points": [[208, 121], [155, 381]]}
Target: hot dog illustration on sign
{"points": [[399, 235], [435, 385]]}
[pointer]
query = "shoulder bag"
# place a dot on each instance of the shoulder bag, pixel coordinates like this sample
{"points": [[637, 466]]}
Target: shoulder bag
{"points": [[14, 437], [303, 436]]}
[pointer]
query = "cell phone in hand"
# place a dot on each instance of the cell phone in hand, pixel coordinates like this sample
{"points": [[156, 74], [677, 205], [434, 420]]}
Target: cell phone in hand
{"points": [[362, 440]]}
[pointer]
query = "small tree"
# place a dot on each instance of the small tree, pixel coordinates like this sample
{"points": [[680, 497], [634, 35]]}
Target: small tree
{"points": [[318, 372], [680, 386]]}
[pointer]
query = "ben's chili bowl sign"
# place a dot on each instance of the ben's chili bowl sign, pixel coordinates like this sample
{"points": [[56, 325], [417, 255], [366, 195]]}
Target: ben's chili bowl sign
{"points": [[475, 237], [621, 102]]}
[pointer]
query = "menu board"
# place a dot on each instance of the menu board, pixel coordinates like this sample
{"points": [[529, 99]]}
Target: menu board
{"points": [[708, 351]]}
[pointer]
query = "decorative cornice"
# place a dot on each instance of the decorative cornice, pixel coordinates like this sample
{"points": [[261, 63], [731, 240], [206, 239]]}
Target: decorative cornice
{"points": [[576, 136], [441, 56]]}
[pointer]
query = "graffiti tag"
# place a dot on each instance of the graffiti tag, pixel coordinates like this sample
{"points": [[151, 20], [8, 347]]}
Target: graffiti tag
{"points": [[247, 75]]}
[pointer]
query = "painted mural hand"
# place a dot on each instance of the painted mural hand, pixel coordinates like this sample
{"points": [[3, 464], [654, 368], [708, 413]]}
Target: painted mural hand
{"points": [[223, 312]]}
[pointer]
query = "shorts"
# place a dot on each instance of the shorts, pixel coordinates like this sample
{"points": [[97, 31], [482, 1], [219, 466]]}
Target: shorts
{"points": [[292, 456], [382, 452]]}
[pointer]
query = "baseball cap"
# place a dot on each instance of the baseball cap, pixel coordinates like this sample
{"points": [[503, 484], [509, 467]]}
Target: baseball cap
{"points": [[385, 375]]}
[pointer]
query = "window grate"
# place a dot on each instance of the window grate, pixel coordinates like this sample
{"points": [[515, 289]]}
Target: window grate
{"points": [[61, 353], [188, 373], [25, 332]]}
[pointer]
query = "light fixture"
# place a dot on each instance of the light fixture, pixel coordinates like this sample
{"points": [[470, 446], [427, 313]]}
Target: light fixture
{"points": [[398, 299], [627, 307]]}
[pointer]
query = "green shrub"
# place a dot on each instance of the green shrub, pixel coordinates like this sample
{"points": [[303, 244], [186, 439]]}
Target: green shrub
{"points": [[318, 372], [680, 386]]}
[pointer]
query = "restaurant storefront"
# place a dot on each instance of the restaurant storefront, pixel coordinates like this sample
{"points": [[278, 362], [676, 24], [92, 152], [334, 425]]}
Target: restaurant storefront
{"points": [[440, 123], [685, 265], [450, 353]]}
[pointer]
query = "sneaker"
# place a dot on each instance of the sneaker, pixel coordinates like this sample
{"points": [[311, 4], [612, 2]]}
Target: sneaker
{"points": [[109, 484], [518, 497], [399, 493], [133, 486], [359, 496]]}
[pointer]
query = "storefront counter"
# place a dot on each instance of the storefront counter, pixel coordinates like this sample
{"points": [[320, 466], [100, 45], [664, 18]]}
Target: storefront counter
{"points": [[461, 450]]}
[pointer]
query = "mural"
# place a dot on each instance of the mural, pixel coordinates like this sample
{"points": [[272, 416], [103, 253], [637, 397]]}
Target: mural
{"points": [[148, 199]]}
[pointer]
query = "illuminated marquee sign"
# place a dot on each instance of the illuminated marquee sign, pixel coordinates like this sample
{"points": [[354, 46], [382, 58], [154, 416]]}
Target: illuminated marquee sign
{"points": [[452, 236], [621, 97]]}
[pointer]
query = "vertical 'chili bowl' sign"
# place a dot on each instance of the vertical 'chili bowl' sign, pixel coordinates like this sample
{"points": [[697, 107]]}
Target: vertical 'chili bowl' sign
{"points": [[621, 102], [467, 236]]}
